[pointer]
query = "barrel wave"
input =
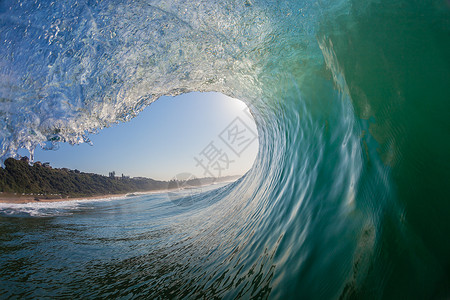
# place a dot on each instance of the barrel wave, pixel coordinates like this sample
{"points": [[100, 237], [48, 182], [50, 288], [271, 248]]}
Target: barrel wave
{"points": [[349, 194]]}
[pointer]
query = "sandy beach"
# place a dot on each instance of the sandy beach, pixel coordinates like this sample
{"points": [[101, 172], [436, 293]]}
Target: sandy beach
{"points": [[22, 199]]}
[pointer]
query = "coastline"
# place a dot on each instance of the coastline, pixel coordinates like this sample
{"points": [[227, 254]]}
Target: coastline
{"points": [[24, 199], [11, 198]]}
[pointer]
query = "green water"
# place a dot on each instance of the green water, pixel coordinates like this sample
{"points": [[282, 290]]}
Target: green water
{"points": [[348, 197]]}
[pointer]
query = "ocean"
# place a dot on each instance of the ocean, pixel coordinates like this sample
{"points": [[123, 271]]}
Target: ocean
{"points": [[348, 196]]}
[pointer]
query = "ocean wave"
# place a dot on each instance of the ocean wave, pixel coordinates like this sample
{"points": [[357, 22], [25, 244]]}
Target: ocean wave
{"points": [[348, 194]]}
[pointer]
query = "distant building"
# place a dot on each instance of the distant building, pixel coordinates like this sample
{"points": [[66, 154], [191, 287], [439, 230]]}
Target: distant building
{"points": [[125, 177], [46, 165], [25, 159]]}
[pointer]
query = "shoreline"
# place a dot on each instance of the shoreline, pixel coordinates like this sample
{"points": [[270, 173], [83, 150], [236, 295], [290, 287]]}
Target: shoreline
{"points": [[24, 199], [9, 198]]}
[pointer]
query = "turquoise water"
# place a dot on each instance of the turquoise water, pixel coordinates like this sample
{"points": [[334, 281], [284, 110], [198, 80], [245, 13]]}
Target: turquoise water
{"points": [[348, 197]]}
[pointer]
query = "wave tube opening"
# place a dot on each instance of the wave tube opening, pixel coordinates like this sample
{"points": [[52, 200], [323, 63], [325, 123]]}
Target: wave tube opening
{"points": [[203, 134]]}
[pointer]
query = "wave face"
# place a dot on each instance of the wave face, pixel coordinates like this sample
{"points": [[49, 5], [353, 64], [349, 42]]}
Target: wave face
{"points": [[348, 196]]}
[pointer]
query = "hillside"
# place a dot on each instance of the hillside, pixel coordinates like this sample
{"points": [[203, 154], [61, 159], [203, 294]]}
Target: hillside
{"points": [[20, 177]]}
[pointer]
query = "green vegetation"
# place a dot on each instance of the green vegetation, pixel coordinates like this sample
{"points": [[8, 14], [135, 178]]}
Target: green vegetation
{"points": [[19, 176]]}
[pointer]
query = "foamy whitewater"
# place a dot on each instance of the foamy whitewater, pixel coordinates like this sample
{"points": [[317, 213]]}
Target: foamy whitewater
{"points": [[46, 209], [347, 198]]}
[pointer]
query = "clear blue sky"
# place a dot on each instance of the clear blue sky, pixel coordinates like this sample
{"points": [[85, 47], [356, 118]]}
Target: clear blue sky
{"points": [[169, 137]]}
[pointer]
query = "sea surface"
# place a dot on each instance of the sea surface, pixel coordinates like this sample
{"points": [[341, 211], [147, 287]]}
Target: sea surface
{"points": [[348, 196]]}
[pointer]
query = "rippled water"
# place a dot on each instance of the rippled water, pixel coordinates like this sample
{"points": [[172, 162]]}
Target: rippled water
{"points": [[348, 197], [112, 247]]}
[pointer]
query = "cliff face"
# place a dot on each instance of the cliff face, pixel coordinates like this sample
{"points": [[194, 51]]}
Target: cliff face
{"points": [[19, 177]]}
